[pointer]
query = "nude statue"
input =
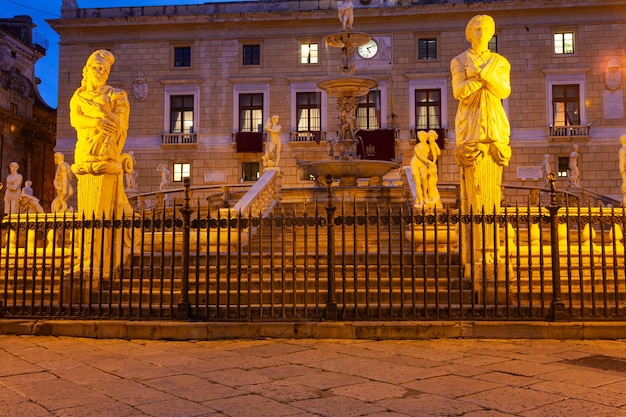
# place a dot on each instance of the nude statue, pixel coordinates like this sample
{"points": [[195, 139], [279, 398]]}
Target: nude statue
{"points": [[165, 177], [346, 15], [572, 168], [62, 184], [13, 186], [273, 145]]}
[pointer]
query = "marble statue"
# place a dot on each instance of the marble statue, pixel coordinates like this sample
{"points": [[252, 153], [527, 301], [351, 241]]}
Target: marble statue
{"points": [[165, 177], [273, 145], [346, 15], [28, 188], [131, 174], [62, 184], [433, 174], [424, 170], [622, 166], [100, 115], [572, 168], [480, 81], [13, 186], [546, 170], [26, 204]]}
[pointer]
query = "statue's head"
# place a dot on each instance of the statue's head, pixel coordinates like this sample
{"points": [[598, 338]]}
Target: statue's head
{"points": [[482, 20], [99, 63]]}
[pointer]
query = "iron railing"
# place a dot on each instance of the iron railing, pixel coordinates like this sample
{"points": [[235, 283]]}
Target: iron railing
{"points": [[332, 260]]}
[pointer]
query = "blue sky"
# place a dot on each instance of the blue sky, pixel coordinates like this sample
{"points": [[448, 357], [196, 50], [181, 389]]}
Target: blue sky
{"points": [[47, 68]]}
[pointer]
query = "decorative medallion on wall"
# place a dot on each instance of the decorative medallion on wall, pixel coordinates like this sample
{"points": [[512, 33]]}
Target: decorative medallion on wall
{"points": [[140, 86]]}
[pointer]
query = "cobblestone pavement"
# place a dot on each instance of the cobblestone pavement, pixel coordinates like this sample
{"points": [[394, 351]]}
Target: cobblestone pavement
{"points": [[81, 377]]}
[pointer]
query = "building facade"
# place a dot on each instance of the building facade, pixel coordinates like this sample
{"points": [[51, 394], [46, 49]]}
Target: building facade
{"points": [[27, 123], [203, 79]]}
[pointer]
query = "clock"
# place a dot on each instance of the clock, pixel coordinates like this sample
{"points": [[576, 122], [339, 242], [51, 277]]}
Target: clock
{"points": [[369, 50]]}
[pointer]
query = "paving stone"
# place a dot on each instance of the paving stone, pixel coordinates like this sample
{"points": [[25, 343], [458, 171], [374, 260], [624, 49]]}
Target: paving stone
{"points": [[337, 406], [429, 405], [575, 408], [512, 400], [451, 386], [253, 406]]}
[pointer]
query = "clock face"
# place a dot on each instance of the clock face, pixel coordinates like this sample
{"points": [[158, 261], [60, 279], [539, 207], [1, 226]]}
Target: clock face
{"points": [[369, 50]]}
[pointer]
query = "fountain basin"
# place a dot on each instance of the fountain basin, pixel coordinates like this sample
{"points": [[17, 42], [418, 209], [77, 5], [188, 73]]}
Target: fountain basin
{"points": [[347, 39], [347, 86], [348, 171]]}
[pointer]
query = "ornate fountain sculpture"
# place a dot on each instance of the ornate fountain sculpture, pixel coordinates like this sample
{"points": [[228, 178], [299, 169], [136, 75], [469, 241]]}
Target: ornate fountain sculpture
{"points": [[345, 163]]}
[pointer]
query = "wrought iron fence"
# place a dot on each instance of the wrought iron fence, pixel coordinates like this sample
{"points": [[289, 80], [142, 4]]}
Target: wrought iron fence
{"points": [[333, 260]]}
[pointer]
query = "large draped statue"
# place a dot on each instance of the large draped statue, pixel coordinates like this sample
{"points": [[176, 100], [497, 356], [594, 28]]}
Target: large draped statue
{"points": [[100, 115], [480, 81]]}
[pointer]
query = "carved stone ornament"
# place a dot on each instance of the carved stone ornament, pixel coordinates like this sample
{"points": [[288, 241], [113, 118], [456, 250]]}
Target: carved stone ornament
{"points": [[613, 74], [140, 86]]}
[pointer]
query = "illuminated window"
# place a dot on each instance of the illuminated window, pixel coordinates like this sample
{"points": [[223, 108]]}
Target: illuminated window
{"points": [[251, 112], [427, 109], [427, 48], [181, 170], [309, 53], [566, 104], [368, 110], [181, 114], [250, 171], [564, 43], [308, 110]]}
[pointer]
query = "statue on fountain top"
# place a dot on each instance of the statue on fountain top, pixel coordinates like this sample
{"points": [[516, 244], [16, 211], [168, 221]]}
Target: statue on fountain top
{"points": [[346, 15]]}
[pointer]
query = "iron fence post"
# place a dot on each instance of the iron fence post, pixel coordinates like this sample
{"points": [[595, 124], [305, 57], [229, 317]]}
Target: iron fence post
{"points": [[557, 305], [331, 301], [184, 306]]}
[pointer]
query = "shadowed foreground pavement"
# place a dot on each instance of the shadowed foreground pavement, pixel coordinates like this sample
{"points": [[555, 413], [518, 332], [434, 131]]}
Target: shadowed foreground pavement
{"points": [[82, 377]]}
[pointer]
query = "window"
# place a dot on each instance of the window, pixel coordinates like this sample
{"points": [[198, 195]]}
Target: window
{"points": [[182, 56], [368, 111], [428, 109], [564, 43], [250, 171], [566, 105], [309, 53], [181, 113], [251, 112], [181, 170], [493, 44], [251, 55], [563, 166], [427, 48], [308, 111]]}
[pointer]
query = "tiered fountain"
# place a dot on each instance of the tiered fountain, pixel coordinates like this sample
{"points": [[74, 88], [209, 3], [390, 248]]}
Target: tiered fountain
{"points": [[344, 163]]}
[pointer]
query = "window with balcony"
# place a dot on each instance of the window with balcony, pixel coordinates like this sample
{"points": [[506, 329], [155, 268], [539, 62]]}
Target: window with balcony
{"points": [[566, 110], [426, 48], [428, 109], [368, 111], [182, 56], [308, 115], [180, 171], [566, 105], [564, 42], [180, 118], [251, 112], [251, 54], [309, 53], [181, 114]]}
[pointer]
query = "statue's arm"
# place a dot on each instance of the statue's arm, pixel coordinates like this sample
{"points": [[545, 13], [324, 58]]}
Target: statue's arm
{"points": [[462, 85], [497, 78]]}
